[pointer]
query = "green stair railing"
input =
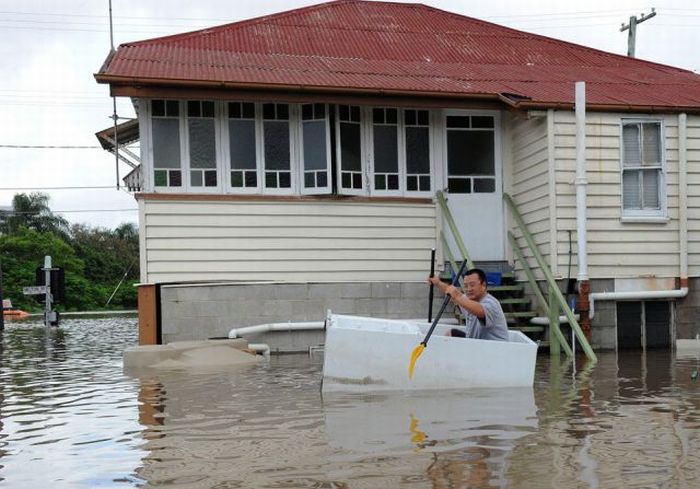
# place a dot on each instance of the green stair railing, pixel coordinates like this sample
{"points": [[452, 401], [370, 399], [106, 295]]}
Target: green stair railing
{"points": [[557, 301]]}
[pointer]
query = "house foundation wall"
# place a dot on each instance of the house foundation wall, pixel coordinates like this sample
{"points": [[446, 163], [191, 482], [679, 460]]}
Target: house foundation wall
{"points": [[198, 312], [686, 315]]}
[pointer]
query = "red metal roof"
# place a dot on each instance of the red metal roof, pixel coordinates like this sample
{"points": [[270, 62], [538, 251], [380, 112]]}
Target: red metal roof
{"points": [[389, 48]]}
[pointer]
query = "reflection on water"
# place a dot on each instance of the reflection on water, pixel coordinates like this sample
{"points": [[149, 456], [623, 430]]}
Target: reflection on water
{"points": [[70, 417]]}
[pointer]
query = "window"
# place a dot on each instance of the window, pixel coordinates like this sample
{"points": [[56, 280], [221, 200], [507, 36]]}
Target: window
{"points": [[471, 158], [417, 128], [165, 128], [642, 168], [242, 146], [315, 149], [385, 131], [276, 144], [350, 149], [201, 134]]}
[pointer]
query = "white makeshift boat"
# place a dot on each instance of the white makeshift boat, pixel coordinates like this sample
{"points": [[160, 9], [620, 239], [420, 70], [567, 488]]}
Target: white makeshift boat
{"points": [[363, 354]]}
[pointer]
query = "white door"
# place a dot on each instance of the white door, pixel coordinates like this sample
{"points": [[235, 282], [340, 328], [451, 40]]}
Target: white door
{"points": [[474, 183]]}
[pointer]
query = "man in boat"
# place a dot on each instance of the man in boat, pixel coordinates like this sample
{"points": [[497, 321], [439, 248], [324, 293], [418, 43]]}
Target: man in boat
{"points": [[483, 314]]}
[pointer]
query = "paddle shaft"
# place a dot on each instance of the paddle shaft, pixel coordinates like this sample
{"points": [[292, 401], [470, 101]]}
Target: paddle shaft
{"points": [[455, 281], [432, 287]]}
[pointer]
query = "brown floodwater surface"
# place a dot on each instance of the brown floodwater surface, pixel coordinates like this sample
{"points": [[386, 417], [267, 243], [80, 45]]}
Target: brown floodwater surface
{"points": [[71, 417]]}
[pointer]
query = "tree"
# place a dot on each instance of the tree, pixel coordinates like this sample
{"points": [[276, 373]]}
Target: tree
{"points": [[32, 211]]}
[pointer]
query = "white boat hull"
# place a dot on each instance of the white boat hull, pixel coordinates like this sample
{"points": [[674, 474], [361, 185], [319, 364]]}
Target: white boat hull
{"points": [[373, 354]]}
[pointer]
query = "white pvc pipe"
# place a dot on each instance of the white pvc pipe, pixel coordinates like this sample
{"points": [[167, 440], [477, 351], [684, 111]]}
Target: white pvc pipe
{"points": [[544, 320], [264, 328], [632, 296], [581, 180], [683, 192], [263, 348]]}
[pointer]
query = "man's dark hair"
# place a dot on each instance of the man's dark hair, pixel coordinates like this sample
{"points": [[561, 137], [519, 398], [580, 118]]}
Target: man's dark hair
{"points": [[479, 272]]}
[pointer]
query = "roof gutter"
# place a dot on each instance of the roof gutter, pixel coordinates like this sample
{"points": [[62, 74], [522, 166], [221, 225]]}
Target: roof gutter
{"points": [[165, 82]]}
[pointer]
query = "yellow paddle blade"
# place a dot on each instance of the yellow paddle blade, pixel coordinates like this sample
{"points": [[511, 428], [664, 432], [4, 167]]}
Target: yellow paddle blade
{"points": [[417, 351]]}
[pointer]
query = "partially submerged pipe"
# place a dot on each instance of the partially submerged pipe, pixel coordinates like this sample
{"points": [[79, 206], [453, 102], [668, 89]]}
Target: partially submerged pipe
{"points": [[264, 328]]}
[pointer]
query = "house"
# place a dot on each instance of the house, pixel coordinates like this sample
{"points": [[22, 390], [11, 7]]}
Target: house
{"points": [[290, 163]]}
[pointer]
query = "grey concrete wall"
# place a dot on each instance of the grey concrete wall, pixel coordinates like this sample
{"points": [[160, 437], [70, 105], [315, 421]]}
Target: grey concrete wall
{"points": [[688, 312], [198, 312]]}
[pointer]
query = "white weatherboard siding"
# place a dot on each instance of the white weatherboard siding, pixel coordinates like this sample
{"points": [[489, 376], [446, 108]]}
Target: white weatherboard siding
{"points": [[617, 248], [530, 184], [307, 241], [693, 155]]}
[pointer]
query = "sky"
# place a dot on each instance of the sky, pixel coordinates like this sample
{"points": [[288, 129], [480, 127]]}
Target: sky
{"points": [[50, 49]]}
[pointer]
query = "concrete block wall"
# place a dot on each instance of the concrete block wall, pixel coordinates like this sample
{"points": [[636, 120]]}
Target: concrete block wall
{"points": [[197, 312], [688, 312]]}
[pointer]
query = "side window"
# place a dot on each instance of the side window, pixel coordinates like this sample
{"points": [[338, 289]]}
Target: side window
{"points": [[243, 169], [385, 132], [417, 137], [642, 168], [316, 164], [165, 128], [350, 149], [276, 144], [201, 135]]}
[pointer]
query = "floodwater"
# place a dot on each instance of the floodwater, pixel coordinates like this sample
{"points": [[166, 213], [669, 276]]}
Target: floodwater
{"points": [[70, 417]]}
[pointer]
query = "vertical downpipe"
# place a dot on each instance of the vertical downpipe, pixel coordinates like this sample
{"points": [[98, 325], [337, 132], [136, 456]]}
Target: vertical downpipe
{"points": [[581, 182], [683, 196]]}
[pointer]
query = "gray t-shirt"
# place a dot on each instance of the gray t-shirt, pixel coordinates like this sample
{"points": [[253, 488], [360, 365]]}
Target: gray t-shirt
{"points": [[493, 326]]}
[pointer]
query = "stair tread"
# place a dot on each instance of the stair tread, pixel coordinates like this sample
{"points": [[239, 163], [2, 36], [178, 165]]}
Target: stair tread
{"points": [[528, 329], [515, 300], [521, 314]]}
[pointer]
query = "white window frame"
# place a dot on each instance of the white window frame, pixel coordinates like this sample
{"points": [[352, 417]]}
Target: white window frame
{"points": [[364, 152], [293, 163], [403, 162], [148, 115], [226, 150], [300, 157], [400, 153], [498, 162], [642, 215], [217, 148]]}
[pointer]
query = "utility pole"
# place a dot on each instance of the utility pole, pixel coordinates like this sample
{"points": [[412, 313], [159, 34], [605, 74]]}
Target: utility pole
{"points": [[632, 26]]}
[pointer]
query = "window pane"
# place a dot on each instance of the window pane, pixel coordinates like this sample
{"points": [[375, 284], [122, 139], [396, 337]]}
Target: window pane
{"points": [[285, 179], [386, 155], [309, 180], [202, 143], [650, 188], [175, 178], [350, 147], [236, 178], [248, 110], [160, 178], [482, 122], [166, 143], [631, 198], [271, 179], [424, 182], [470, 153], [322, 179], [412, 183], [276, 145], [196, 178], [458, 121], [158, 108], [210, 178], [651, 141], [242, 143], [172, 108], [315, 157], [630, 143], [417, 150], [459, 185], [484, 185], [251, 179]]}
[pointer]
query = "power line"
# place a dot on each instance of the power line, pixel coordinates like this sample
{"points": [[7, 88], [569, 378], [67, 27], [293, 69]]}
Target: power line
{"points": [[40, 146], [69, 211], [55, 188]]}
